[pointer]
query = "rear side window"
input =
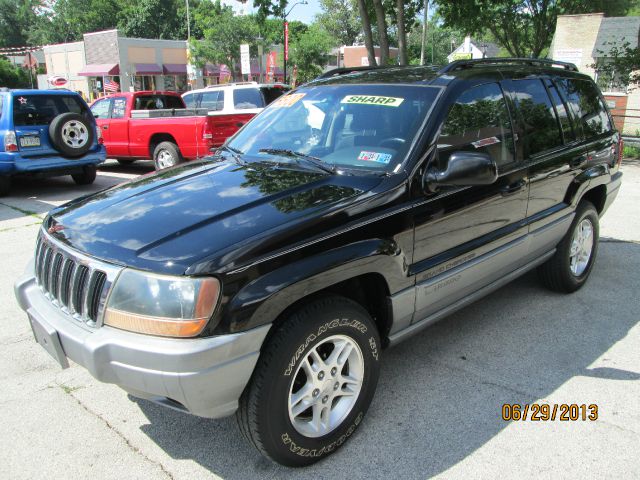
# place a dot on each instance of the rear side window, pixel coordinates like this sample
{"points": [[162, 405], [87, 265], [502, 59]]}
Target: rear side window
{"points": [[244, 98], [271, 93], [119, 107], [537, 116], [478, 122], [157, 102], [562, 112], [213, 100], [42, 109], [586, 105]]}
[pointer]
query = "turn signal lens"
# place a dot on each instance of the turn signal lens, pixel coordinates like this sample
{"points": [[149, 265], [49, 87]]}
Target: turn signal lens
{"points": [[160, 304]]}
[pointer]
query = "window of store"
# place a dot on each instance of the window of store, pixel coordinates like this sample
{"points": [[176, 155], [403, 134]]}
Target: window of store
{"points": [[144, 82]]}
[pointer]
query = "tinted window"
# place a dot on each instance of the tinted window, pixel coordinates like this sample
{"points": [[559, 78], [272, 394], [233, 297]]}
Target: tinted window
{"points": [[271, 93], [157, 102], [586, 105], [479, 122], [537, 116], [119, 107], [190, 100], [213, 100], [562, 112], [100, 109], [244, 98], [42, 109]]}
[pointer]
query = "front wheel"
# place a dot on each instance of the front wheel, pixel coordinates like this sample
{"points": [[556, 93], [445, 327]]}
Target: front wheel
{"points": [[165, 155], [313, 383], [570, 266]]}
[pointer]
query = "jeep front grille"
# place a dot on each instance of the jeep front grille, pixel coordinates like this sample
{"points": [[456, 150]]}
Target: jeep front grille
{"points": [[76, 284]]}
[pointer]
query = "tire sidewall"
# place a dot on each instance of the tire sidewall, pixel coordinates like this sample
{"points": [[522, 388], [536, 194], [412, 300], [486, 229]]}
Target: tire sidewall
{"points": [[55, 134], [587, 210], [286, 444], [166, 147]]}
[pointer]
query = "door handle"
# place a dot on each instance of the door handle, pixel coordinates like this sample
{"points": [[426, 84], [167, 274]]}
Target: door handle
{"points": [[579, 161], [239, 124], [105, 127], [512, 188]]}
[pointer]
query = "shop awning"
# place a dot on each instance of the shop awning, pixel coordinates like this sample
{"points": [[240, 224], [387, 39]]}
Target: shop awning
{"points": [[147, 69], [100, 70], [211, 70], [174, 69]]}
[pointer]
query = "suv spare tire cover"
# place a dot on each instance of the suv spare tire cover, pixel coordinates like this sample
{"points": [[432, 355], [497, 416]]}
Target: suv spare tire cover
{"points": [[71, 134]]}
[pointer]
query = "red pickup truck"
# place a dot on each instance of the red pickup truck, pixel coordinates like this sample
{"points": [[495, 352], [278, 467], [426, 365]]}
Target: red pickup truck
{"points": [[156, 125]]}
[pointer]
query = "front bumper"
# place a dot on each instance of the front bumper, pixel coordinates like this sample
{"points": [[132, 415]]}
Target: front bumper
{"points": [[203, 376]]}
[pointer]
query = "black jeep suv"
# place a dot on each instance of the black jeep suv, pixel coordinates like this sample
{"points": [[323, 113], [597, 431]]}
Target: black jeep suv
{"points": [[350, 214]]}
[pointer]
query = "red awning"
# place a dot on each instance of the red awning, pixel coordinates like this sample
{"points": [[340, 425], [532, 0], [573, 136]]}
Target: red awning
{"points": [[100, 70], [174, 69], [210, 70], [147, 69]]}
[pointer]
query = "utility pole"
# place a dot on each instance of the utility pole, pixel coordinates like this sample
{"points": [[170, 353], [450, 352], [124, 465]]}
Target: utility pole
{"points": [[424, 32]]}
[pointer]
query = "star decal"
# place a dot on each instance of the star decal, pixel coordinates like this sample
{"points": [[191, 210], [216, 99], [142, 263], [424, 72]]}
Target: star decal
{"points": [[22, 100]]}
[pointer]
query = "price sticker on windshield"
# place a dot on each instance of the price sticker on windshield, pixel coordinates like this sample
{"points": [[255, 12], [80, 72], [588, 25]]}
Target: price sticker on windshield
{"points": [[372, 100], [287, 101]]}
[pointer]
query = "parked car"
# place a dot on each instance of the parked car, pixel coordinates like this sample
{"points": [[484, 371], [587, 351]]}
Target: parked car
{"points": [[349, 215], [156, 125], [47, 133]]}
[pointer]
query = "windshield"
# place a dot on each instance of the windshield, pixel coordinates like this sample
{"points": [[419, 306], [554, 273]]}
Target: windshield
{"points": [[365, 127]]}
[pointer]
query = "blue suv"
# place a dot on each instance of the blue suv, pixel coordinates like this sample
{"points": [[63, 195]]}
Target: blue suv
{"points": [[47, 133]]}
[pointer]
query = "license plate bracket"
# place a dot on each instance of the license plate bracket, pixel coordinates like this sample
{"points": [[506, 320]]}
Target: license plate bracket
{"points": [[48, 339]]}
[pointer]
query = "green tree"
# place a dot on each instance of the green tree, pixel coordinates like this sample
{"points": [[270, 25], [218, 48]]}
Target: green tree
{"points": [[68, 20], [523, 27], [309, 52], [340, 19], [12, 76], [153, 19], [17, 18], [620, 67]]}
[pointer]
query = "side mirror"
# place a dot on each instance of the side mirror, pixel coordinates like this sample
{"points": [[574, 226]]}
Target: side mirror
{"points": [[463, 169]]}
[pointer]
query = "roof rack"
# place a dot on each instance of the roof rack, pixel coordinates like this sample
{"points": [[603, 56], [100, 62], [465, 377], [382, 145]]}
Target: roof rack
{"points": [[347, 70], [230, 84], [462, 64]]}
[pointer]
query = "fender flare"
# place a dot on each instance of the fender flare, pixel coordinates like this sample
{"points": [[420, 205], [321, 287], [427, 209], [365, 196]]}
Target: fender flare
{"points": [[264, 299]]}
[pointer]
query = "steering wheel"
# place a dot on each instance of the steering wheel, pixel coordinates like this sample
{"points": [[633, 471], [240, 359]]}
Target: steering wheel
{"points": [[392, 142]]}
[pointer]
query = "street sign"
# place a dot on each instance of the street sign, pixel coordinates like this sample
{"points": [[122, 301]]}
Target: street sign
{"points": [[245, 60]]}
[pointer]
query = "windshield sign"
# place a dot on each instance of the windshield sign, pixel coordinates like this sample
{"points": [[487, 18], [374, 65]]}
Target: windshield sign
{"points": [[358, 127]]}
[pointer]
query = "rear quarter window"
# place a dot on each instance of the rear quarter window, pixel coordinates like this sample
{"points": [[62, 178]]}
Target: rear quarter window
{"points": [[42, 109], [246, 98], [586, 105]]}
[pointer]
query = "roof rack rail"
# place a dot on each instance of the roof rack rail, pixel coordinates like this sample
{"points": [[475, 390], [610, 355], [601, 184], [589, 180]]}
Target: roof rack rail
{"points": [[462, 64], [230, 84], [347, 70]]}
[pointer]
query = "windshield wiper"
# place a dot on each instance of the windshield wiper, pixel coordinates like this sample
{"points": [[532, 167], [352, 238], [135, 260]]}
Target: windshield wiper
{"points": [[235, 153], [315, 161]]}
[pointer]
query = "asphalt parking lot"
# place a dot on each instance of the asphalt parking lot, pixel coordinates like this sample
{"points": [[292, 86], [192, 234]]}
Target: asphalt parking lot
{"points": [[437, 411]]}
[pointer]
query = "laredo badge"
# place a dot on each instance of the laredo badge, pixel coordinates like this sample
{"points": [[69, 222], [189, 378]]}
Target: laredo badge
{"points": [[373, 100]]}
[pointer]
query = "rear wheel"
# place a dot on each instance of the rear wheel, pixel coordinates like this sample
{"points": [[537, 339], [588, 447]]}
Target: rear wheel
{"points": [[313, 383], [165, 155], [570, 266], [5, 185], [87, 177]]}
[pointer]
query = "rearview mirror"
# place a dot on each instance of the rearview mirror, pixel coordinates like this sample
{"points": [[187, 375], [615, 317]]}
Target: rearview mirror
{"points": [[463, 169]]}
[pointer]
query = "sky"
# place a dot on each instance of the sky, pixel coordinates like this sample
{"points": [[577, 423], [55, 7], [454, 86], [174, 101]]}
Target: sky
{"points": [[303, 13]]}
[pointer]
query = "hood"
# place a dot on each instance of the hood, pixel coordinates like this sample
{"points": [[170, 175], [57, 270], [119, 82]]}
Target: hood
{"points": [[168, 220]]}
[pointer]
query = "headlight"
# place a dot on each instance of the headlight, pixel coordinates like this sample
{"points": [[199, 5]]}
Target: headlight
{"points": [[160, 304]]}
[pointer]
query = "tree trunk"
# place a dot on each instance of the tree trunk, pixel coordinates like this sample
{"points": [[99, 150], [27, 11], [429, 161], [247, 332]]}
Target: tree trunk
{"points": [[382, 32], [368, 36], [402, 35]]}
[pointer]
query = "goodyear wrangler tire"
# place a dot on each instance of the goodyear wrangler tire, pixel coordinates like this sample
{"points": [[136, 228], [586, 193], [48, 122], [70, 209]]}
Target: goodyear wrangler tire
{"points": [[313, 383]]}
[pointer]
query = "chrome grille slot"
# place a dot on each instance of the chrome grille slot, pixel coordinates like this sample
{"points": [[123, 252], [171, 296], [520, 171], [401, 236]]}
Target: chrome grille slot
{"points": [[75, 283]]}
